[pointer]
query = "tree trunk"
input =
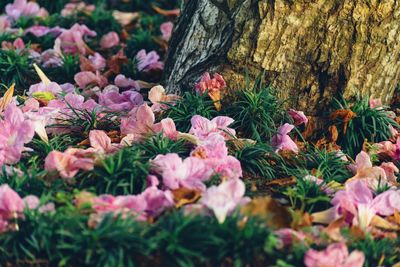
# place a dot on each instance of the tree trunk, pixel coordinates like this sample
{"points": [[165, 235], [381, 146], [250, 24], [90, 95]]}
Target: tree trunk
{"points": [[311, 51]]}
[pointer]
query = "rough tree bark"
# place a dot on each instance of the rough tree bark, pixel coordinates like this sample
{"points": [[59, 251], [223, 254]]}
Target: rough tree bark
{"points": [[310, 50]]}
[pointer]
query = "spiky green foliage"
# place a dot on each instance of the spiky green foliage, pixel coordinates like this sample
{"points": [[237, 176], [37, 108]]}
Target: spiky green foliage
{"points": [[16, 67], [329, 165], [378, 252], [53, 6], [120, 174], [40, 148], [256, 111], [141, 39], [66, 72], [82, 121], [188, 106], [307, 196], [257, 160], [158, 144], [63, 238], [371, 124]]}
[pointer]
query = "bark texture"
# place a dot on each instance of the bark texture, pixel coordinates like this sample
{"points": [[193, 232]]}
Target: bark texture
{"points": [[311, 51]]}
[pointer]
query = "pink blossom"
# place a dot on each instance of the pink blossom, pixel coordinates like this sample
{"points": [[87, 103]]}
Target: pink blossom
{"points": [[15, 131], [358, 206], [19, 44], [85, 78], [166, 30], [72, 40], [52, 87], [214, 153], [288, 236], [335, 255], [140, 121], [40, 31], [375, 102], [109, 40], [124, 101], [124, 82], [68, 163], [390, 169], [149, 203], [188, 173], [100, 141], [393, 150], [224, 198], [10, 202], [167, 127], [94, 63], [363, 169], [282, 141], [23, 8], [51, 59], [31, 202], [158, 97], [202, 127], [298, 117], [71, 9], [5, 24], [148, 61], [217, 83]]}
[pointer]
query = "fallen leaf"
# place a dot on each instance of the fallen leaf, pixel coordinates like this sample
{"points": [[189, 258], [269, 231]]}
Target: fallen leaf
{"points": [[167, 13], [184, 196], [268, 209], [346, 115], [7, 97]]}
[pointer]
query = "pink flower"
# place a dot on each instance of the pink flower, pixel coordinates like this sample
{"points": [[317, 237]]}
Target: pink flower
{"points": [[52, 87], [214, 153], [101, 143], [19, 44], [122, 82], [72, 40], [15, 132], [166, 30], [85, 78], [217, 83], [298, 117], [71, 9], [149, 203], [109, 40], [202, 127], [40, 31], [335, 255], [10, 203], [124, 101], [51, 59], [393, 150], [358, 206], [188, 173], [139, 123], [23, 8], [5, 24], [363, 169], [282, 141], [158, 98], [148, 61], [167, 127], [375, 102], [94, 63], [68, 163], [288, 236], [31, 202], [224, 198], [390, 169]]}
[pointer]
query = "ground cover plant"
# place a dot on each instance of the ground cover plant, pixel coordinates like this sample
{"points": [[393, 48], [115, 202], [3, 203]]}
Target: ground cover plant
{"points": [[101, 166]]}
